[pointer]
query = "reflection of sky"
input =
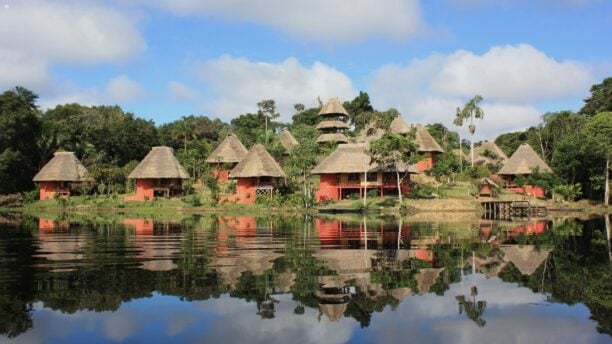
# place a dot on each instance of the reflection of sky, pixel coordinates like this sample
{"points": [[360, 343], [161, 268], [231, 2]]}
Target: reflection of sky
{"points": [[513, 315]]}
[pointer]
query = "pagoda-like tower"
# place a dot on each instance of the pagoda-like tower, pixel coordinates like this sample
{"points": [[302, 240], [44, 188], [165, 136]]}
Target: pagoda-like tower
{"points": [[333, 124]]}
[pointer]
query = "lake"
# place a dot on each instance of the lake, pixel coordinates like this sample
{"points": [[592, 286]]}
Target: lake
{"points": [[300, 279]]}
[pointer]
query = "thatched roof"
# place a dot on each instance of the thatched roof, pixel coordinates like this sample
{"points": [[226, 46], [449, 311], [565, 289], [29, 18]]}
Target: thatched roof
{"points": [[425, 141], [333, 311], [351, 158], [332, 124], [526, 258], [230, 150], [159, 163], [369, 134], [523, 161], [64, 167], [287, 140], [480, 158], [257, 163], [333, 107], [488, 181], [399, 126], [336, 137]]}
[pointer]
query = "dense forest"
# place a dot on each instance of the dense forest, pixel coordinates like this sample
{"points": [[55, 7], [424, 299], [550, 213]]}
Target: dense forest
{"points": [[110, 141]]}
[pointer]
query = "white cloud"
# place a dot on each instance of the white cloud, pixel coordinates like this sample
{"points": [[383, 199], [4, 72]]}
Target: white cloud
{"points": [[238, 84], [513, 80], [319, 20], [81, 32], [17, 69], [122, 89], [180, 91]]}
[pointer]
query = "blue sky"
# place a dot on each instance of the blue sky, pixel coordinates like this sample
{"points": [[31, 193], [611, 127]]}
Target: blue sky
{"points": [[163, 59]]}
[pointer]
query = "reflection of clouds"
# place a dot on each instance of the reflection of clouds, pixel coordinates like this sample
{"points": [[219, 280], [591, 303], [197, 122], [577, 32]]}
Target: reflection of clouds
{"points": [[513, 315]]}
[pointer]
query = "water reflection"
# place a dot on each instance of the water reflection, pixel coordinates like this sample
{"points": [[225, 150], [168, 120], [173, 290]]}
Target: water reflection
{"points": [[355, 277]]}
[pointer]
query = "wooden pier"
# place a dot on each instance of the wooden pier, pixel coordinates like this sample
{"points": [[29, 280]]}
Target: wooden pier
{"points": [[510, 210]]}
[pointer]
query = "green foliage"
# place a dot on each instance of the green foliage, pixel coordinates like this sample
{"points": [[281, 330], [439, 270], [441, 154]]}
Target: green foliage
{"points": [[309, 117], [600, 99], [447, 139], [446, 164], [421, 191], [477, 172], [356, 107], [193, 200], [567, 192], [470, 111]]}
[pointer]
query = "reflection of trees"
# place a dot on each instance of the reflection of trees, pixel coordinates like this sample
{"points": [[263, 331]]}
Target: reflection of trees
{"points": [[473, 309]]}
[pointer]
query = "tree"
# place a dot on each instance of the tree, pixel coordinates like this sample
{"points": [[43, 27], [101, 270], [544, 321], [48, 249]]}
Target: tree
{"points": [[267, 109], [357, 106], [600, 99], [471, 111], [447, 139], [391, 152], [598, 139], [19, 131]]}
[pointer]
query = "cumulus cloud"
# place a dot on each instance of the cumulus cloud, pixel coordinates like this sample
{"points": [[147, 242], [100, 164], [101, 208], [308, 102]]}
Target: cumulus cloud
{"points": [[81, 32], [18, 69], [319, 20], [180, 91], [513, 80], [122, 89], [238, 84]]}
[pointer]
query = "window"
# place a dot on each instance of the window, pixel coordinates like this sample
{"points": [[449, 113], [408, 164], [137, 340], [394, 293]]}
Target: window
{"points": [[372, 176], [353, 178], [389, 176]]}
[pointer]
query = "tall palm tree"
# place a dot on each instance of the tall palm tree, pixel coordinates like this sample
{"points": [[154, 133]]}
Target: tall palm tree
{"points": [[471, 111]]}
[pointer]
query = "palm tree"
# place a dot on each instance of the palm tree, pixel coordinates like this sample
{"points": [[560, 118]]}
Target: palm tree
{"points": [[471, 111]]}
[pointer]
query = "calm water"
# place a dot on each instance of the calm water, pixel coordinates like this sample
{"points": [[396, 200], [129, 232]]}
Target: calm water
{"points": [[310, 280]]}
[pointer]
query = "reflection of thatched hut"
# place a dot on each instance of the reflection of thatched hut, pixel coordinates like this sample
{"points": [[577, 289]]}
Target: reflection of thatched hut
{"points": [[333, 311], [287, 140], [158, 174], [488, 153], [426, 278], [342, 174], [59, 174], [399, 126], [256, 175], [255, 261], [428, 147], [226, 156], [526, 258], [333, 124]]}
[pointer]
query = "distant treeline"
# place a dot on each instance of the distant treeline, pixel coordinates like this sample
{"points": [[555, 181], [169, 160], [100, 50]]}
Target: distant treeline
{"points": [[110, 141]]}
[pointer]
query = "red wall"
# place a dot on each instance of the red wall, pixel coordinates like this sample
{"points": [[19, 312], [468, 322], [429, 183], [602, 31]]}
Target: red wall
{"points": [[144, 189], [427, 163], [48, 189], [220, 173], [328, 188], [245, 192]]}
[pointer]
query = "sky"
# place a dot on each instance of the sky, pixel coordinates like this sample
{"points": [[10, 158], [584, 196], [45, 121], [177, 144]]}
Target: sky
{"points": [[164, 59]]}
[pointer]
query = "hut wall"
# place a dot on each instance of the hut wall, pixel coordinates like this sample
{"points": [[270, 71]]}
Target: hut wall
{"points": [[485, 190], [245, 191], [427, 163], [49, 189], [220, 172], [144, 190], [328, 188]]}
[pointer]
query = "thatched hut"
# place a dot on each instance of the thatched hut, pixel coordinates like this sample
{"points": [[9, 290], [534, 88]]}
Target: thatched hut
{"points": [[486, 187], [158, 174], [342, 174], [333, 124], [523, 162], [60, 175], [226, 156], [488, 153], [427, 147], [399, 126], [255, 175], [287, 140]]}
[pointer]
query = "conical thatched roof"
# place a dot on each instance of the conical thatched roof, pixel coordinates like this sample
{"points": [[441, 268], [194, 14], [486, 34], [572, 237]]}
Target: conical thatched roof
{"points": [[159, 163], [287, 140], [479, 154], [523, 161], [351, 158], [399, 126], [333, 107], [335, 137], [488, 181], [333, 311], [64, 167], [332, 124], [230, 150], [369, 134], [257, 163], [425, 141]]}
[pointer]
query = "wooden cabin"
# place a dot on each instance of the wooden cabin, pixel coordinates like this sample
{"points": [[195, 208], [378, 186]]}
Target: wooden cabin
{"points": [[255, 176], [333, 122], [427, 147], [523, 162], [225, 157], [159, 174], [342, 175], [59, 176], [486, 188]]}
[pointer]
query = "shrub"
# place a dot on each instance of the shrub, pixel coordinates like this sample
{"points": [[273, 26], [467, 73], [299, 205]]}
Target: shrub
{"points": [[192, 200], [567, 192]]}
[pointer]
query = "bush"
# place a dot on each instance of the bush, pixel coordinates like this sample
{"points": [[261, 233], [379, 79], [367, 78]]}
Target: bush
{"points": [[31, 196], [567, 192], [192, 200], [418, 191], [373, 193]]}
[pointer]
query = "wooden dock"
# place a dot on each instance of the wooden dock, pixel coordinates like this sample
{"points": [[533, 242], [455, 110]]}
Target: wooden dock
{"points": [[510, 210]]}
